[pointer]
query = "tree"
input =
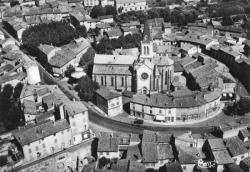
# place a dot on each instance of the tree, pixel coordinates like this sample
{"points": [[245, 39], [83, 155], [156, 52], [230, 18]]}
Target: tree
{"points": [[97, 11], [55, 33], [69, 71], [104, 46], [87, 57], [110, 10], [10, 111], [86, 88], [5, 99], [103, 162], [18, 90], [81, 31]]}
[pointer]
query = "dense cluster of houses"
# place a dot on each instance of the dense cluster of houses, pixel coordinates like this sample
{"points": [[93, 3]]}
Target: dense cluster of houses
{"points": [[227, 149], [176, 76], [53, 123]]}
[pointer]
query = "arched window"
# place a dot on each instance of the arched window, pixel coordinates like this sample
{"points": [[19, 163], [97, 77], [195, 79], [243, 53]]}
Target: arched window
{"points": [[112, 81], [102, 80], [166, 77], [122, 81], [147, 50]]}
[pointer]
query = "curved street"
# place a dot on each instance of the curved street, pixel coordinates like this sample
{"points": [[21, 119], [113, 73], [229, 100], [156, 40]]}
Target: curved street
{"points": [[116, 125]]}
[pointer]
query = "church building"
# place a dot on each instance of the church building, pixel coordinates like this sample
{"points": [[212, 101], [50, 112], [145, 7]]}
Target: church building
{"points": [[150, 72]]}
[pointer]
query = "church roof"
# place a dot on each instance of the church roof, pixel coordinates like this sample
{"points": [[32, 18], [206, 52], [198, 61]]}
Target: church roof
{"points": [[114, 59], [162, 60]]}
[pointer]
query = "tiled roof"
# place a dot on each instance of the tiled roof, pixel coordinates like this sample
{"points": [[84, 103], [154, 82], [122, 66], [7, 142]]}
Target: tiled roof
{"points": [[165, 151], [216, 143], [135, 166], [149, 136], [134, 153], [74, 107], [131, 23], [68, 52], [149, 152], [187, 155], [134, 138], [245, 132], [29, 107], [178, 67], [163, 137], [114, 32], [114, 59], [162, 60], [107, 94], [49, 100], [160, 100], [39, 131], [44, 116], [222, 157], [187, 60], [61, 58], [111, 69], [235, 146], [46, 49], [107, 143], [121, 165], [105, 17], [129, 51]]}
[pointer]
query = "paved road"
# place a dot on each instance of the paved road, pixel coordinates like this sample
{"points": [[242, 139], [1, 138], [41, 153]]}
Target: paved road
{"points": [[120, 126]]}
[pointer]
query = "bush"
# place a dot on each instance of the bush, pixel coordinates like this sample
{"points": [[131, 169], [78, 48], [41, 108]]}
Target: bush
{"points": [[86, 88]]}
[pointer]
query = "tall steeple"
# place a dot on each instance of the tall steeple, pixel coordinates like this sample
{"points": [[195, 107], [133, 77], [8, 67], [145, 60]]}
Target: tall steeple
{"points": [[147, 51], [146, 32]]}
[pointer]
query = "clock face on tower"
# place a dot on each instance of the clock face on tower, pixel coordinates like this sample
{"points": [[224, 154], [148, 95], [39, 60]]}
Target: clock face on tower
{"points": [[144, 76]]}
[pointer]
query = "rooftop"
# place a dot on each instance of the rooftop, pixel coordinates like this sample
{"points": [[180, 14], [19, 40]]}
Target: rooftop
{"points": [[39, 131], [29, 107], [134, 153], [107, 94], [165, 151], [74, 107], [161, 100], [111, 69], [222, 157], [188, 155], [114, 59], [107, 143], [149, 152], [235, 146], [216, 143]]}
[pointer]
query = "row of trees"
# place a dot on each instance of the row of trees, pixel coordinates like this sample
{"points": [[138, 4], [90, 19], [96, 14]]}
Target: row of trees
{"points": [[229, 7], [175, 16], [99, 10], [106, 46], [55, 33], [10, 111]]}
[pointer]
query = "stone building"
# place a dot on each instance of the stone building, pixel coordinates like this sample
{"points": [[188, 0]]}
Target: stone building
{"points": [[151, 72]]}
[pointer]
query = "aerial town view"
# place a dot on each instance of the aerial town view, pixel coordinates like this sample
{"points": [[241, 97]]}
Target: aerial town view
{"points": [[125, 85]]}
